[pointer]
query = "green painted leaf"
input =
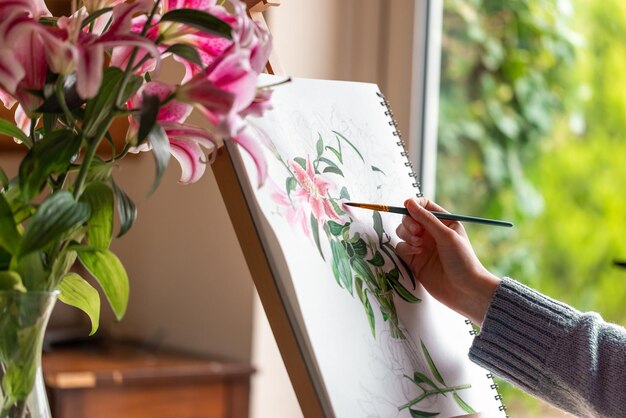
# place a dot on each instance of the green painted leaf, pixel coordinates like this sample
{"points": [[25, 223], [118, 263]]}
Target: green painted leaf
{"points": [[10, 280], [358, 285], [57, 215], [422, 378], [343, 194], [378, 225], [200, 20], [53, 154], [462, 404], [360, 247], [187, 52], [335, 228], [370, 315], [319, 145], [431, 364], [11, 130], [402, 291], [161, 151], [9, 236], [340, 257], [339, 135], [315, 229], [377, 260], [107, 269], [147, 116], [336, 207], [301, 162], [374, 168], [99, 197], [328, 162], [290, 184], [334, 170], [126, 209], [422, 414], [336, 152], [75, 291], [362, 269]]}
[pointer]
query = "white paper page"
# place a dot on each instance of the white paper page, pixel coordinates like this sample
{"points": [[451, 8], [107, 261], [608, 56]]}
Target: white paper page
{"points": [[332, 140]]}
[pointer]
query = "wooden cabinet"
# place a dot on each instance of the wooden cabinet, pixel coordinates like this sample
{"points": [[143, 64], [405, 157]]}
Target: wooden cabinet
{"points": [[120, 380]]}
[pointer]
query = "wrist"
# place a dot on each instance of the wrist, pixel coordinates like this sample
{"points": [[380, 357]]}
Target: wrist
{"points": [[479, 296]]}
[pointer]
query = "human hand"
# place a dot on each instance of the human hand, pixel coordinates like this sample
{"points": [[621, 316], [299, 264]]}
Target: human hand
{"points": [[442, 259]]}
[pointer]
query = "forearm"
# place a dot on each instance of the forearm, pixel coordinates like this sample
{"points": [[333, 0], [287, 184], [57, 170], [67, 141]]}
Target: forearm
{"points": [[575, 361]]}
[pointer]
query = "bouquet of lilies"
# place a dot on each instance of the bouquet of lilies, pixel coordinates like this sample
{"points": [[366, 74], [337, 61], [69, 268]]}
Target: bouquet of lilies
{"points": [[66, 80]]}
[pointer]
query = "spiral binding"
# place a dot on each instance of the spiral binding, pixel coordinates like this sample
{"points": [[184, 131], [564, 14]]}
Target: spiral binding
{"points": [[417, 185], [396, 132]]}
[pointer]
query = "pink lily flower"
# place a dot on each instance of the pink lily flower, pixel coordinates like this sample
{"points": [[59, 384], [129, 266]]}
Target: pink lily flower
{"points": [[23, 67], [70, 49], [295, 213], [313, 190], [186, 142]]}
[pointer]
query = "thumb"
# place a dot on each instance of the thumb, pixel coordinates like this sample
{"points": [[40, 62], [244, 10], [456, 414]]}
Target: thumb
{"points": [[437, 229]]}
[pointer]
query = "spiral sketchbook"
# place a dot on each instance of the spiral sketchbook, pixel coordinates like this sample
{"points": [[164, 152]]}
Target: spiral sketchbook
{"points": [[373, 342]]}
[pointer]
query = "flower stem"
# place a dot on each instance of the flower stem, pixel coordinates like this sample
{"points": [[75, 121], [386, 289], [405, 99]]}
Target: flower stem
{"points": [[84, 167]]}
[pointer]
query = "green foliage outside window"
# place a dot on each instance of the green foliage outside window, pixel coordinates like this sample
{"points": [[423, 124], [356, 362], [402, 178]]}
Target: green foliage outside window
{"points": [[533, 130]]}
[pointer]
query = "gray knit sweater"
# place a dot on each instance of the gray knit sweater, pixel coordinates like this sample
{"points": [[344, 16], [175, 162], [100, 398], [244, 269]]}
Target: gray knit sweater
{"points": [[574, 360]]}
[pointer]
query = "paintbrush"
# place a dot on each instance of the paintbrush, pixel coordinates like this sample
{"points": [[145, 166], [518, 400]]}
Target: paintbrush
{"points": [[439, 215]]}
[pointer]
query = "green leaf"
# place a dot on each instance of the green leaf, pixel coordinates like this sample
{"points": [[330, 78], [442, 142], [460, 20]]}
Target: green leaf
{"points": [[360, 247], [370, 315], [339, 135], [76, 292], [401, 290], [99, 110], [187, 52], [93, 16], [31, 268], [99, 197], [340, 258], [107, 269], [422, 414], [374, 168], [9, 236], [290, 184], [319, 145], [57, 215], [378, 225], [335, 228], [99, 170], [315, 229], [53, 154], [147, 116], [126, 209], [301, 162], [343, 194], [9, 129], [362, 269], [333, 170], [431, 364], [422, 378], [336, 152], [377, 260], [10, 280], [200, 20], [462, 404], [161, 151]]}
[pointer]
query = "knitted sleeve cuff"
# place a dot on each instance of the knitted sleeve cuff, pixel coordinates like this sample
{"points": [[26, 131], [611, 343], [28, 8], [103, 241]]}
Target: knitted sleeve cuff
{"points": [[519, 330]]}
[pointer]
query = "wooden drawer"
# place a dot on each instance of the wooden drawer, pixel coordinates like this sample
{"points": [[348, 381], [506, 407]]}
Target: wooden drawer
{"points": [[119, 380]]}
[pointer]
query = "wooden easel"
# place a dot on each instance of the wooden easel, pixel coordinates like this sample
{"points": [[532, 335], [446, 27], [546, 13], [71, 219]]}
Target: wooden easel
{"points": [[228, 183]]}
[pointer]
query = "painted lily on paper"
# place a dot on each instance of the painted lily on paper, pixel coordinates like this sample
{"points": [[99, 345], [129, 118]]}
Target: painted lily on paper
{"points": [[361, 255], [66, 79]]}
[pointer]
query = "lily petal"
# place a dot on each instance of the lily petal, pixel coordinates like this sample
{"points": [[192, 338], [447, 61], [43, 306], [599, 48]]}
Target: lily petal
{"points": [[191, 159], [252, 147]]}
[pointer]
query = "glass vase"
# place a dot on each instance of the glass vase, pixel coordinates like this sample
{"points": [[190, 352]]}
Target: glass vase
{"points": [[23, 320]]}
